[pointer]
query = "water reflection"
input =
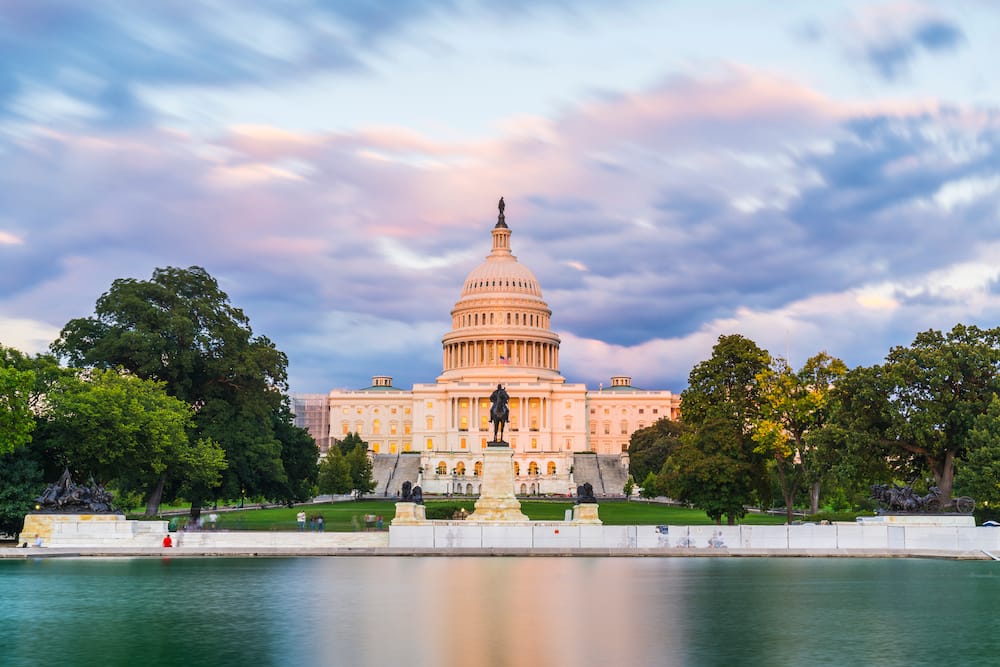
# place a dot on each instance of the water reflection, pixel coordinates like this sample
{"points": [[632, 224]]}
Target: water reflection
{"points": [[498, 611]]}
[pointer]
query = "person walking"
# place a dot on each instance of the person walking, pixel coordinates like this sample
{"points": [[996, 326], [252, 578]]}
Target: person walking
{"points": [[301, 519]]}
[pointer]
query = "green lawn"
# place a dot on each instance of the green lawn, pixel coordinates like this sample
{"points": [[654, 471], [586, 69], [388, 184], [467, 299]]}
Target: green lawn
{"points": [[349, 516]]}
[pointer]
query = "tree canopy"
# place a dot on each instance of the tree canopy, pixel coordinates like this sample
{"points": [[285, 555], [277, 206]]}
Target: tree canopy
{"points": [[118, 428], [794, 406], [649, 447], [920, 407], [180, 329], [716, 466]]}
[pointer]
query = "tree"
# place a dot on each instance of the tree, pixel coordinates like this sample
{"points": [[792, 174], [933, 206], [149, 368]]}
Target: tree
{"points": [[299, 454], [726, 385], [361, 471], [347, 468], [629, 487], [651, 486], [711, 470], [921, 405], [649, 447], [715, 467], [21, 482], [120, 428], [979, 474], [351, 441], [179, 328], [16, 419], [335, 473], [793, 407]]}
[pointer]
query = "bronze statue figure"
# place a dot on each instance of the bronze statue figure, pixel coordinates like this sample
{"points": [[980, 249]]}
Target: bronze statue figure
{"points": [[499, 412], [585, 493], [501, 206], [65, 496]]}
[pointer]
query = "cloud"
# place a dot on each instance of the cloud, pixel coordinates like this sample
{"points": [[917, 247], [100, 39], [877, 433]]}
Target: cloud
{"points": [[890, 37], [738, 202]]}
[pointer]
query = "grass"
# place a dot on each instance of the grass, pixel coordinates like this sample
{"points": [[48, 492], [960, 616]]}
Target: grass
{"points": [[350, 516]]}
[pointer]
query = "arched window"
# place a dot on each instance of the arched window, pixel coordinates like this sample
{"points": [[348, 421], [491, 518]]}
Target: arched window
{"points": [[533, 468], [517, 469], [442, 468], [552, 467], [477, 469], [460, 468]]}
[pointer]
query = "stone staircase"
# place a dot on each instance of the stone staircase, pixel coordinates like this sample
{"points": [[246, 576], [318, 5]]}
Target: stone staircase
{"points": [[586, 469], [407, 469], [383, 466], [613, 474]]}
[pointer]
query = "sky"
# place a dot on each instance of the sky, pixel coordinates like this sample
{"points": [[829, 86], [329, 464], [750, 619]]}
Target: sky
{"points": [[815, 176]]}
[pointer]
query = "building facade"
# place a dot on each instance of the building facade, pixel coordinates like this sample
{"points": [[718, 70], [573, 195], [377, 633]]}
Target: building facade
{"points": [[500, 334]]}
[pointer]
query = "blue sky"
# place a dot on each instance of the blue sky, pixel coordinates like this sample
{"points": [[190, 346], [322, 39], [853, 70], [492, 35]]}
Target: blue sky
{"points": [[815, 176]]}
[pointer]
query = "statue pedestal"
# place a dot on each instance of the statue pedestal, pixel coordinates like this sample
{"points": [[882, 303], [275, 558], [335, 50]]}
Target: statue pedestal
{"points": [[409, 514], [67, 530], [497, 502], [586, 513]]}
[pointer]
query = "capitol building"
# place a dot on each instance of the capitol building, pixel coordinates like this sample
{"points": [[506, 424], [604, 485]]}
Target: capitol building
{"points": [[434, 434]]}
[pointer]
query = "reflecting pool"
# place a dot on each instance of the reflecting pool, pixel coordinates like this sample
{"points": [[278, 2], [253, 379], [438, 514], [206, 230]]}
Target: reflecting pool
{"points": [[389, 611]]}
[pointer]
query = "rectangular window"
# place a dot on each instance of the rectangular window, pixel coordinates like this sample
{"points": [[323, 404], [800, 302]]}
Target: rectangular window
{"points": [[430, 443], [461, 443], [534, 443], [641, 411]]}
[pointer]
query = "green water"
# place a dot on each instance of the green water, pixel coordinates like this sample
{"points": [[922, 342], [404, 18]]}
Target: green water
{"points": [[499, 611]]}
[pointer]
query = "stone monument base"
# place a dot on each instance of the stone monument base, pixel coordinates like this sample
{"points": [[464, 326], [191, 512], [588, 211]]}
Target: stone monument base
{"points": [[61, 530], [586, 513], [409, 514], [497, 502]]}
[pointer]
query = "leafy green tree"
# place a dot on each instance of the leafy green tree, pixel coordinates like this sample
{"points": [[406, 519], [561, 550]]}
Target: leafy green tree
{"points": [[361, 471], [120, 428], [629, 487], [16, 419], [351, 441], [21, 482], [715, 467], [920, 407], [793, 407], [726, 385], [179, 328], [335, 473], [711, 470], [649, 447], [979, 474], [299, 454], [651, 486]]}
